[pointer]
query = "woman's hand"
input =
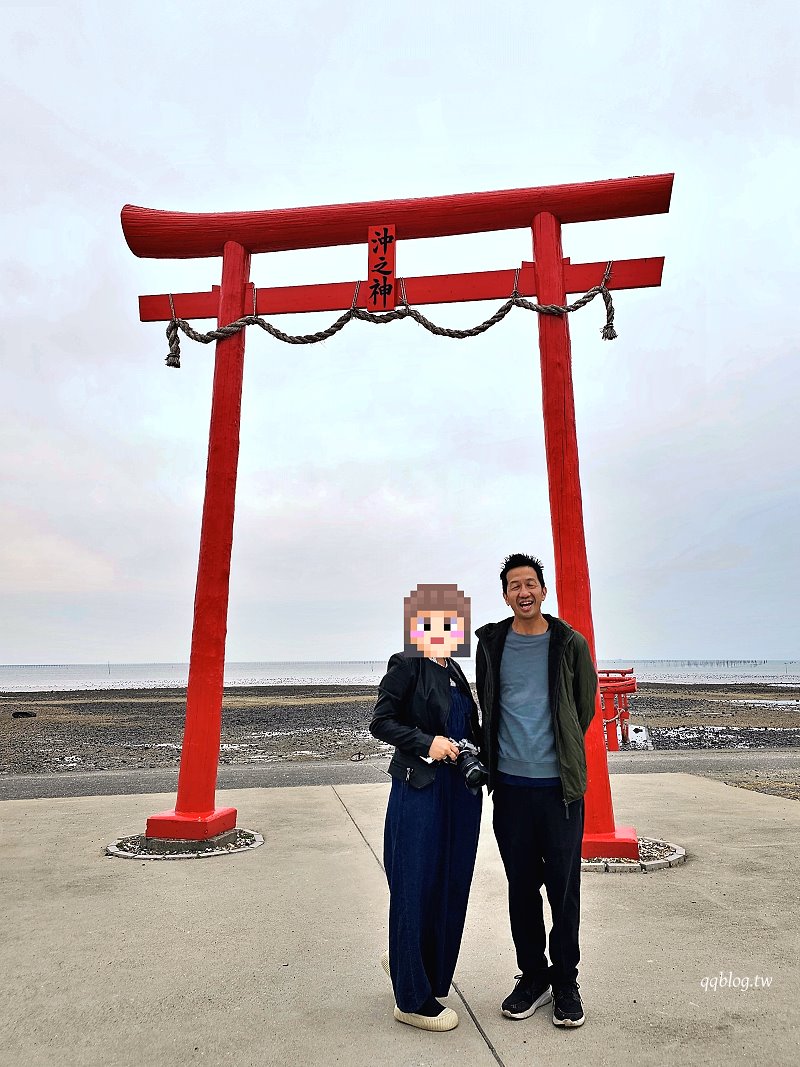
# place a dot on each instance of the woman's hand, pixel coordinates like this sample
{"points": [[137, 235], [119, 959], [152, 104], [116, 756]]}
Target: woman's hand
{"points": [[443, 748]]}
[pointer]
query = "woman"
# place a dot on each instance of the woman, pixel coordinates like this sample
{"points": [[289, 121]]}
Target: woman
{"points": [[433, 818]]}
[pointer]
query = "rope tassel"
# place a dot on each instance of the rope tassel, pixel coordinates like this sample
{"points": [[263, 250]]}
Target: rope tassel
{"points": [[608, 333], [174, 357]]}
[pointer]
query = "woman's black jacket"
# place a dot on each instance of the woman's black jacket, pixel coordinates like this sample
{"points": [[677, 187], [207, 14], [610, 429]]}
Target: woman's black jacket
{"points": [[412, 708]]}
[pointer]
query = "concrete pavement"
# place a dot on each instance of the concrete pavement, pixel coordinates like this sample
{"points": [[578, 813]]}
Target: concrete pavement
{"points": [[282, 773], [272, 956]]}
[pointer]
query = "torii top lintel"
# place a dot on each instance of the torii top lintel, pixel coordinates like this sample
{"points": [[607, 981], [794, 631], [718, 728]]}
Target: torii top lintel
{"points": [[153, 234]]}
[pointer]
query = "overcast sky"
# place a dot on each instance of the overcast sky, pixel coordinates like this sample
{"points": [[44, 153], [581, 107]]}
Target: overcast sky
{"points": [[384, 458]]}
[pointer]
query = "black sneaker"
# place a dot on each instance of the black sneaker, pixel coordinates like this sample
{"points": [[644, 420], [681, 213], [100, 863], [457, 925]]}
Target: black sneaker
{"points": [[567, 1006], [526, 998]]}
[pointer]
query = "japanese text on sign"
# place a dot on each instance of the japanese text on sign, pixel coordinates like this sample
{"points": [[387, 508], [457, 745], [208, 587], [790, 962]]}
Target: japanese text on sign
{"points": [[380, 273]]}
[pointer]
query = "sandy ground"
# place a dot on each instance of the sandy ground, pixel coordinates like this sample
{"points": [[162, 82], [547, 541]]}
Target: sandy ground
{"points": [[106, 730]]}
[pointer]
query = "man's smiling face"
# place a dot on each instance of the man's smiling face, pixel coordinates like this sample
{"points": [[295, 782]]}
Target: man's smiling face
{"points": [[524, 594]]}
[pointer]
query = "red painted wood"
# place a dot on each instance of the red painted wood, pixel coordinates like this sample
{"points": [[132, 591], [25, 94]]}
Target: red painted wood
{"points": [[433, 289], [194, 809], [610, 728], [180, 826], [381, 281], [624, 717], [621, 843], [617, 685], [566, 506], [625, 274], [187, 306], [182, 235]]}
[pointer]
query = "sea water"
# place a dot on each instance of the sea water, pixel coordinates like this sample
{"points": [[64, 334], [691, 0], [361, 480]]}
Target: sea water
{"points": [[61, 677]]}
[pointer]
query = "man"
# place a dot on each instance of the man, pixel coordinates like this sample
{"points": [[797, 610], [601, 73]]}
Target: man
{"points": [[536, 686]]}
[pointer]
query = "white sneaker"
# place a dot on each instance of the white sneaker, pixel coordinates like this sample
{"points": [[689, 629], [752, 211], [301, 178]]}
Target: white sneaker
{"points": [[445, 1020]]}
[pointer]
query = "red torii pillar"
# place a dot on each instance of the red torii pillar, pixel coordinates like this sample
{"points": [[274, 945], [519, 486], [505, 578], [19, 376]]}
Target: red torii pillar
{"points": [[195, 816], [600, 837], [237, 235]]}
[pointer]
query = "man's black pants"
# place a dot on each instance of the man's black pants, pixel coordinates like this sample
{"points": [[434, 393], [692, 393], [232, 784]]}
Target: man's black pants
{"points": [[540, 845]]}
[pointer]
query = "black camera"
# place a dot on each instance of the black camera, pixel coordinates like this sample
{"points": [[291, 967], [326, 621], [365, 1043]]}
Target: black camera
{"points": [[472, 770]]}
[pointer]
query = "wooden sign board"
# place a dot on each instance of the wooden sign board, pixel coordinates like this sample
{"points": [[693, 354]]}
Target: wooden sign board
{"points": [[381, 284]]}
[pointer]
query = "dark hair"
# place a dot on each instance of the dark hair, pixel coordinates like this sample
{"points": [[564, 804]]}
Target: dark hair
{"points": [[436, 598], [519, 559]]}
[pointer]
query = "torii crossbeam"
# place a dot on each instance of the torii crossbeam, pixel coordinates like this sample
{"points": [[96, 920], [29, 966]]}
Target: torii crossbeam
{"points": [[236, 236]]}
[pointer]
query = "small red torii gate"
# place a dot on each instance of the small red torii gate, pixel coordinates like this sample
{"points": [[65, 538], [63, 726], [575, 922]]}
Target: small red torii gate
{"points": [[235, 236], [616, 682]]}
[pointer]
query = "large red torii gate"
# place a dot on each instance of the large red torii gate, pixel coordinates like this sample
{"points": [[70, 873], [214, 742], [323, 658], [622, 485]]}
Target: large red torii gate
{"points": [[236, 236]]}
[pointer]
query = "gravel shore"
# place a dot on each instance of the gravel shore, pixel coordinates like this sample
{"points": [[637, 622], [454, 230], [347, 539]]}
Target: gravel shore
{"points": [[123, 728], [718, 716], [126, 728]]}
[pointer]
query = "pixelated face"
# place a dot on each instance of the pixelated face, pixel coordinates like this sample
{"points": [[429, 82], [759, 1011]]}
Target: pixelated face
{"points": [[437, 621], [436, 633]]}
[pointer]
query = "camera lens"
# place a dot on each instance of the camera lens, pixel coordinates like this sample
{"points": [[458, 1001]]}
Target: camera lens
{"points": [[474, 772]]}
